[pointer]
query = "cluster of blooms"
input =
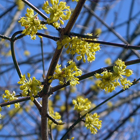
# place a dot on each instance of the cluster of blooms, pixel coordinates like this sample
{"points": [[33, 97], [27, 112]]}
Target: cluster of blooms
{"points": [[26, 53], [58, 12], [54, 115], [109, 80], [98, 31], [92, 121], [10, 97], [31, 86], [20, 4], [131, 119], [95, 86], [1, 126], [108, 61], [5, 43], [7, 96], [31, 23], [68, 73], [109, 104], [71, 138], [81, 47], [6, 53], [13, 111], [81, 104]]}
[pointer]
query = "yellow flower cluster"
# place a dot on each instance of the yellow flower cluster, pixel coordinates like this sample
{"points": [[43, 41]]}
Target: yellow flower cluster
{"points": [[13, 111], [20, 4], [98, 31], [6, 53], [5, 43], [58, 12], [81, 47], [31, 23], [7, 96], [110, 80], [31, 86], [81, 104], [109, 104], [26, 53], [95, 86], [68, 73], [71, 138], [108, 61], [54, 115], [93, 123]]}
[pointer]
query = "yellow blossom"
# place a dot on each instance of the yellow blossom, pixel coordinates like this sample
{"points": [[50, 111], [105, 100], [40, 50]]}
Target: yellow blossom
{"points": [[54, 115], [1, 126], [27, 109], [15, 110], [31, 23], [6, 53], [57, 97], [20, 4], [60, 127], [98, 31], [58, 12], [17, 105], [93, 123], [73, 89], [84, 49], [109, 104], [7, 96], [26, 53], [63, 108], [68, 73], [95, 86], [81, 104], [30, 86], [71, 138], [31, 103], [110, 80], [131, 119], [108, 61]]}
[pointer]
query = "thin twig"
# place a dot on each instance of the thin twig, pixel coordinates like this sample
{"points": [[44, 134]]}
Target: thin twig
{"points": [[125, 46], [51, 135], [5, 37], [40, 34], [8, 10], [42, 54]]}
